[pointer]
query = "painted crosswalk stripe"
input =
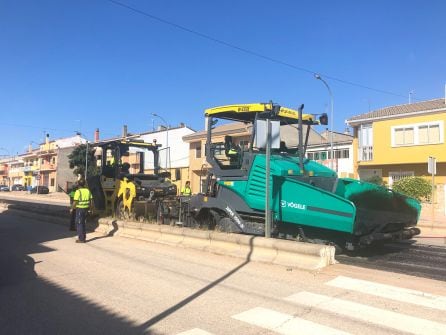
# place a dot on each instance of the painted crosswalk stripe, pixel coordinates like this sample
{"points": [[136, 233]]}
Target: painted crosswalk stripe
{"points": [[377, 316], [390, 292], [284, 324], [195, 331]]}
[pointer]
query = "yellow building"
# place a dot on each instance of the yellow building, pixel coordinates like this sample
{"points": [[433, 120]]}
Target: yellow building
{"points": [[397, 141]]}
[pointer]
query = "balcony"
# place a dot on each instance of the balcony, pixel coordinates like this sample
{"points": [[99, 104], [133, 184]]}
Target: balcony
{"points": [[47, 167], [365, 153], [29, 168]]}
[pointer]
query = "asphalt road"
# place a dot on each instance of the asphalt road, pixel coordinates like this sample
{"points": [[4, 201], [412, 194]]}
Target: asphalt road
{"points": [[112, 285], [417, 258]]}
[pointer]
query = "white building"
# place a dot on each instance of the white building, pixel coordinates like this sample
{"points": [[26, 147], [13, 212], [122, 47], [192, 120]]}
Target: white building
{"points": [[319, 149]]}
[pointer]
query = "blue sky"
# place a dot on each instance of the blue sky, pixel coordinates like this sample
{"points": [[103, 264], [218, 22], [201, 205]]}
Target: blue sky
{"points": [[84, 64]]}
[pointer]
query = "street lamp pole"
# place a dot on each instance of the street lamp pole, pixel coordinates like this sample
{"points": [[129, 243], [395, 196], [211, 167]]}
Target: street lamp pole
{"points": [[167, 135], [318, 77]]}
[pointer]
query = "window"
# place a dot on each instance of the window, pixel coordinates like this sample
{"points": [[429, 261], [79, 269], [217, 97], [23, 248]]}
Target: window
{"points": [[310, 155], [54, 160], [404, 136], [316, 156], [52, 181], [417, 134], [429, 134], [345, 153], [198, 150], [365, 135], [323, 155]]}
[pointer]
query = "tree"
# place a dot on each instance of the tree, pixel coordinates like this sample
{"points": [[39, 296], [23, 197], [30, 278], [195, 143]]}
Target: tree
{"points": [[77, 161], [377, 180], [415, 187]]}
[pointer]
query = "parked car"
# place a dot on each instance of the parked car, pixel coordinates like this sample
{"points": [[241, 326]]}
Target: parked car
{"points": [[4, 188], [17, 187], [40, 190]]}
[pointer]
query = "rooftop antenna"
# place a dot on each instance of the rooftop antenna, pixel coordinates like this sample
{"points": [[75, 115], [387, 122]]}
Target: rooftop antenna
{"points": [[410, 96]]}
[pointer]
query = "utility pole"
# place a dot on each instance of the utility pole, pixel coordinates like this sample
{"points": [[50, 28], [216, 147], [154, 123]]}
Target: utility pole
{"points": [[267, 181], [86, 159], [318, 77]]}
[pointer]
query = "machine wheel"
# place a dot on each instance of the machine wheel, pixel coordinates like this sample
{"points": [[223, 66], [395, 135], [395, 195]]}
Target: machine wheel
{"points": [[213, 219], [160, 213]]}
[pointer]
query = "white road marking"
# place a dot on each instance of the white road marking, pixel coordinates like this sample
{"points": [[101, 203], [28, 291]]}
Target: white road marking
{"points": [[195, 331], [388, 319], [284, 324], [390, 292]]}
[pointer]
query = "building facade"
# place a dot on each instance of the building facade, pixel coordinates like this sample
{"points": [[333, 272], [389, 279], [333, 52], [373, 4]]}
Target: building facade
{"points": [[173, 154], [46, 165], [396, 142], [319, 150]]}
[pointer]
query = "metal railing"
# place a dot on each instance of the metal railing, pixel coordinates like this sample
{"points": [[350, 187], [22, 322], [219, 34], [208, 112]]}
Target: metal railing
{"points": [[365, 153]]}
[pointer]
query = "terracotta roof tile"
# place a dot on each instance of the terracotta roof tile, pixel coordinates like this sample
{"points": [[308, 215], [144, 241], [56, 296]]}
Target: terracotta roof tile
{"points": [[422, 106]]}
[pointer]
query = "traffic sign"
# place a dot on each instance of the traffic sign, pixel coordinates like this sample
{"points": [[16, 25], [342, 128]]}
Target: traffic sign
{"points": [[432, 165]]}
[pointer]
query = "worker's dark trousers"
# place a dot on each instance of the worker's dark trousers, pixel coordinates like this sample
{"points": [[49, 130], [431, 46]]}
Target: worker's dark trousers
{"points": [[81, 218], [73, 220]]}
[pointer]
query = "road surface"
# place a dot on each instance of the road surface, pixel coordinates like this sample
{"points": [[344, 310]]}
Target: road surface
{"points": [[112, 285]]}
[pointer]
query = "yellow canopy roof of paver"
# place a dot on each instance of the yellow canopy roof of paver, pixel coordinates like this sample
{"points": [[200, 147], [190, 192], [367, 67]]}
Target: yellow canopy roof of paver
{"points": [[247, 113]]}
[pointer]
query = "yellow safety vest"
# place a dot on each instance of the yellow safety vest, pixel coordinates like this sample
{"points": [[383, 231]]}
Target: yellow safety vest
{"points": [[83, 197], [186, 191]]}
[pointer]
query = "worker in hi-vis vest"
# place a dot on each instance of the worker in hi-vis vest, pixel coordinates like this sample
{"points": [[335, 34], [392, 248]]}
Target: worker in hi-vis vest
{"points": [[82, 202], [186, 190]]}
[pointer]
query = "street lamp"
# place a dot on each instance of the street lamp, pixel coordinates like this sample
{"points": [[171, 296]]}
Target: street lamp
{"points": [[318, 77], [167, 134]]}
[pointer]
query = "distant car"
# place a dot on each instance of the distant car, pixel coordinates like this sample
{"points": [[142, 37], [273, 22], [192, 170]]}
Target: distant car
{"points": [[17, 187], [40, 190], [4, 188]]}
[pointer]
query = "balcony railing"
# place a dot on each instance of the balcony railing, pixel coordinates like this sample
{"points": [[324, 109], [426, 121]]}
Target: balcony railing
{"points": [[29, 168], [365, 153], [46, 167]]}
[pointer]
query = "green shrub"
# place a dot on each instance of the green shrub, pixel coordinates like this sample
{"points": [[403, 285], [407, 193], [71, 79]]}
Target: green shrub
{"points": [[415, 187], [377, 180]]}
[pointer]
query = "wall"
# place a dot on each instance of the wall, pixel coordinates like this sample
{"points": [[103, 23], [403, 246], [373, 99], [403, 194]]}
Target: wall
{"points": [[64, 174], [178, 148]]}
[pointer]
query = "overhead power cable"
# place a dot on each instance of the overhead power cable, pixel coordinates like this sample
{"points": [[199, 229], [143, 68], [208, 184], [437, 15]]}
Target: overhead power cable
{"points": [[251, 52]]}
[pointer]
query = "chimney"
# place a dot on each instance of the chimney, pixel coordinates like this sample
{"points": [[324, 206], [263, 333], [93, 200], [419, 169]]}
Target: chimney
{"points": [[347, 131], [30, 147], [96, 135], [47, 139], [124, 130], [182, 125]]}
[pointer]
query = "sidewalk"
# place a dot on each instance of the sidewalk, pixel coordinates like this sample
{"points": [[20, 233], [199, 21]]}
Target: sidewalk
{"points": [[57, 197], [432, 223]]}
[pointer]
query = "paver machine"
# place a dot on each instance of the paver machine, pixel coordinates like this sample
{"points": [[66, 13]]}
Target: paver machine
{"points": [[307, 200], [132, 195]]}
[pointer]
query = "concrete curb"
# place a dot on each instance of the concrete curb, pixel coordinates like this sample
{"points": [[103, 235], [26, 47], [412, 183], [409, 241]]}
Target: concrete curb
{"points": [[255, 248]]}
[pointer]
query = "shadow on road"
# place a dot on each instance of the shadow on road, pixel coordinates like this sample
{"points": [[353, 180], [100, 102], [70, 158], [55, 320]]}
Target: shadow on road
{"points": [[34, 305], [111, 233], [197, 294]]}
